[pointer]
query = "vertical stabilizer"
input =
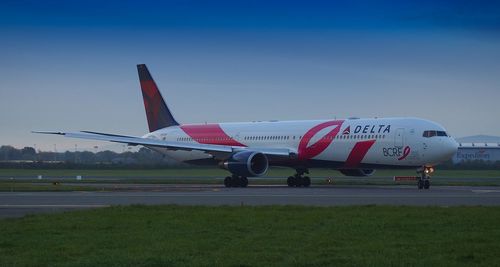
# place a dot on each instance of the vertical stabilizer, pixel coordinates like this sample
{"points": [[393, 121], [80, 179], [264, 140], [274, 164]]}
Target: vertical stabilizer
{"points": [[157, 112]]}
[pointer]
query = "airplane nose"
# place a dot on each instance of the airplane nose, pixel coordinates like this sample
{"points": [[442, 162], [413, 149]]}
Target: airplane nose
{"points": [[450, 148]]}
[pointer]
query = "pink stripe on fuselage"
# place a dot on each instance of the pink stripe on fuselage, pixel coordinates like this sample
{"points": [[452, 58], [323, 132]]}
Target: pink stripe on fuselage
{"points": [[209, 134], [358, 152]]}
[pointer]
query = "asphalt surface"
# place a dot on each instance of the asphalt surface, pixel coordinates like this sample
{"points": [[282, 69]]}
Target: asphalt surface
{"points": [[114, 179], [16, 204]]}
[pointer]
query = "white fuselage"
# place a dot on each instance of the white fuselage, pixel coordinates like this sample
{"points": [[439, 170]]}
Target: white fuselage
{"points": [[339, 144]]}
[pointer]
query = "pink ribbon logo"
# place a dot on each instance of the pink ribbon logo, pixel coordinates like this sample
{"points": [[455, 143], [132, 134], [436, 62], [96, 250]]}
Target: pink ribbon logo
{"points": [[406, 152], [308, 152]]}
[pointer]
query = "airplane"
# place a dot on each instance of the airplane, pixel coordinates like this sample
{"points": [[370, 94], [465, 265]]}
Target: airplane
{"points": [[353, 146]]}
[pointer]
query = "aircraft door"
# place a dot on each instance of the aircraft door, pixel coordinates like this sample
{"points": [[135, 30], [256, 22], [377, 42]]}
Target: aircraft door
{"points": [[399, 137]]}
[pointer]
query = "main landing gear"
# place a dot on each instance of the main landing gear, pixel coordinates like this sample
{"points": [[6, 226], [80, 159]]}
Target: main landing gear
{"points": [[236, 181], [424, 181], [299, 179]]}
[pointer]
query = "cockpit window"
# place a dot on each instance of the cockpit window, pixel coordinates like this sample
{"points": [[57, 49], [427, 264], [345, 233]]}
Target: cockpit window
{"points": [[441, 133], [434, 133], [429, 133]]}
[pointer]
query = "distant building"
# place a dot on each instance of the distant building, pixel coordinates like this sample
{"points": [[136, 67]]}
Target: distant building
{"points": [[478, 148]]}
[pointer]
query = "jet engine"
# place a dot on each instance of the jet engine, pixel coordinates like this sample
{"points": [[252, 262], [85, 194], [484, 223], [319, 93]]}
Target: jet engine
{"points": [[358, 172], [247, 164]]}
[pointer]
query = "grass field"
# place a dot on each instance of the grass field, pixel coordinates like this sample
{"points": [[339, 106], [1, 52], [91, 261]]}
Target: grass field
{"points": [[26, 179], [255, 236], [29, 186]]}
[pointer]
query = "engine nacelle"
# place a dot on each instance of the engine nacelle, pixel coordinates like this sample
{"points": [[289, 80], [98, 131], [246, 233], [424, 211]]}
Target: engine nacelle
{"points": [[247, 164], [358, 172]]}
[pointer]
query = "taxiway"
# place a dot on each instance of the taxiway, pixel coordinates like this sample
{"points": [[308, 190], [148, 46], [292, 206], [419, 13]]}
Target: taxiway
{"points": [[14, 204]]}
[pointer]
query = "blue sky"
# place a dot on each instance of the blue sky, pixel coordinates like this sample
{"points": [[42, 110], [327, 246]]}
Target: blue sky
{"points": [[70, 65]]}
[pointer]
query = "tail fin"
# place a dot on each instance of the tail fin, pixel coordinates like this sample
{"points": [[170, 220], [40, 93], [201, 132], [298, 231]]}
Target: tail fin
{"points": [[157, 112]]}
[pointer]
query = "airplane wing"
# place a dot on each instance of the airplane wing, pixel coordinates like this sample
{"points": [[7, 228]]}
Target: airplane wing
{"points": [[172, 145]]}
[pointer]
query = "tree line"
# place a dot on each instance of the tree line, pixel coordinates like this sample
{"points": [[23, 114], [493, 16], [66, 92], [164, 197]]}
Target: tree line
{"points": [[11, 156]]}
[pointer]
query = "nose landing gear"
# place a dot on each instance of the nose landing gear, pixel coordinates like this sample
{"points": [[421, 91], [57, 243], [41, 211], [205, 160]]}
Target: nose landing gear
{"points": [[424, 182]]}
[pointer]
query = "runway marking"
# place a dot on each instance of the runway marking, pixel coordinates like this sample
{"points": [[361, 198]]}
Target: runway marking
{"points": [[485, 191]]}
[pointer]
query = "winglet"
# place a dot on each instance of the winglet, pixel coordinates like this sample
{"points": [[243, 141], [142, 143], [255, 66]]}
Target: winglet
{"points": [[157, 112]]}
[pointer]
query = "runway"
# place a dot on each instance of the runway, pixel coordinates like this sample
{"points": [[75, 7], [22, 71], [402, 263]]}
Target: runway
{"points": [[15, 204]]}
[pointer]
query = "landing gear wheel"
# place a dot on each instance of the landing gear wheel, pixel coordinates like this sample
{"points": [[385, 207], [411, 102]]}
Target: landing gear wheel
{"points": [[424, 181], [231, 181], [298, 179], [306, 181], [427, 184], [420, 184], [236, 181], [243, 181], [228, 181]]}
